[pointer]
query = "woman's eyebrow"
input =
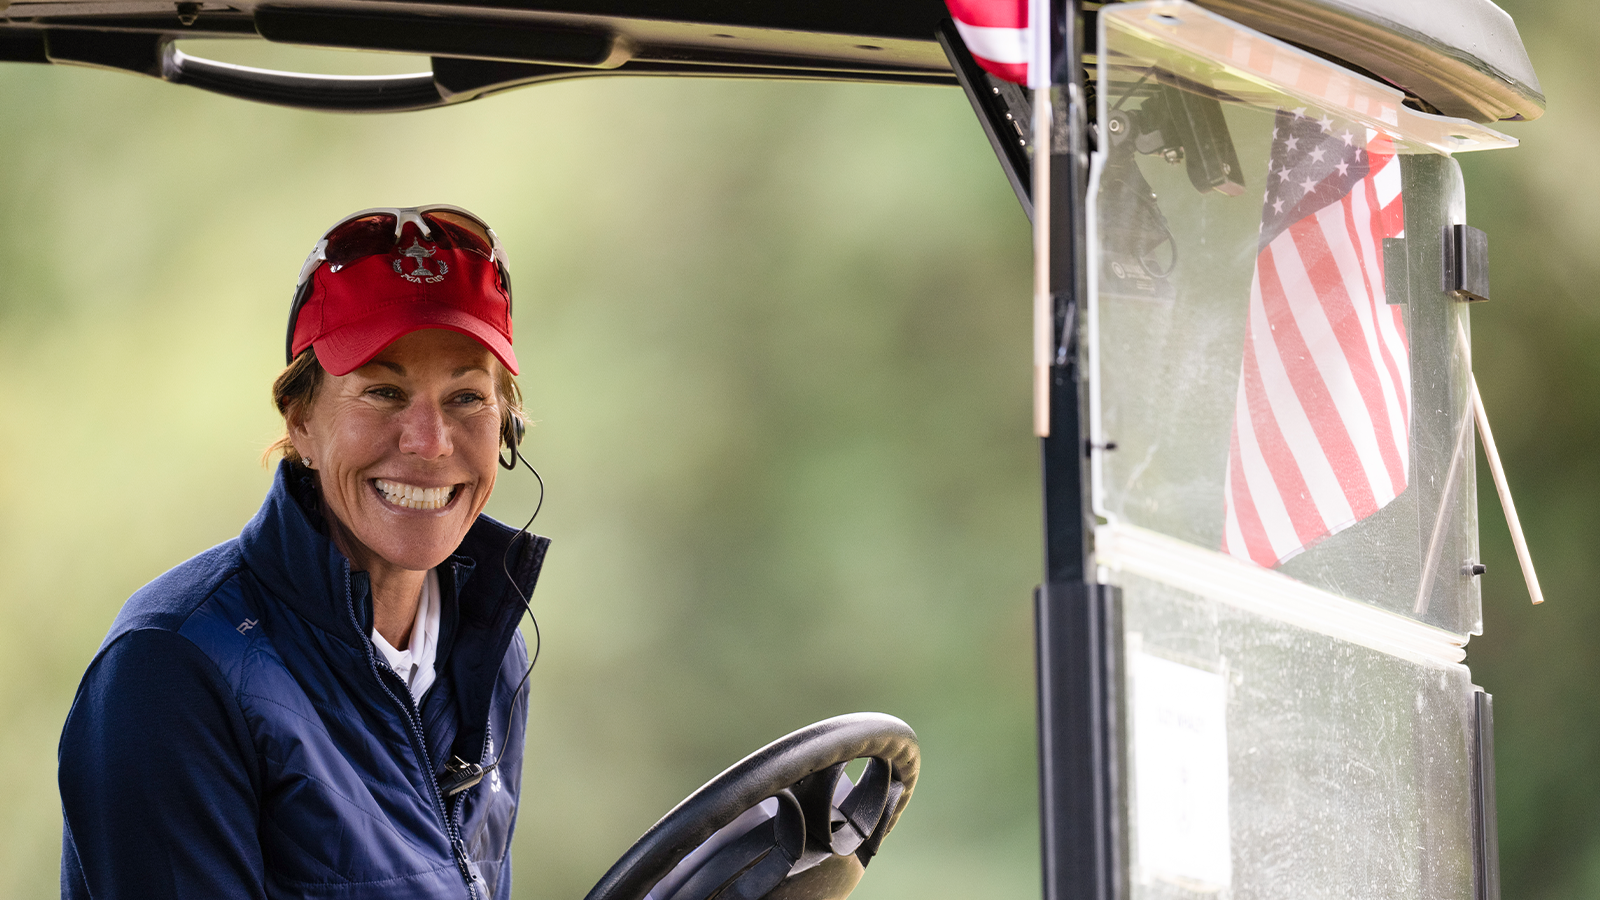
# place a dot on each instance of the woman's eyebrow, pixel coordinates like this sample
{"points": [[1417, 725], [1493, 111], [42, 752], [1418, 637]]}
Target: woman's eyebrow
{"points": [[465, 369]]}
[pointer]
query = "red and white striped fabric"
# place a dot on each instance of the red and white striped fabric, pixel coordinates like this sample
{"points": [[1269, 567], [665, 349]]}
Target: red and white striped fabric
{"points": [[996, 34], [1321, 432]]}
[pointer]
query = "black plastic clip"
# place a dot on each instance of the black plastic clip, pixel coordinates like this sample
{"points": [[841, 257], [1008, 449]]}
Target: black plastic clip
{"points": [[458, 776], [1466, 263]]}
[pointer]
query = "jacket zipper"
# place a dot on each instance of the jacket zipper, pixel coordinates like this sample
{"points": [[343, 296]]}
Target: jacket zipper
{"points": [[419, 746]]}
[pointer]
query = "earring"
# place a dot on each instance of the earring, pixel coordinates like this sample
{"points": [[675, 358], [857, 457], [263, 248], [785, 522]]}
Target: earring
{"points": [[307, 461]]}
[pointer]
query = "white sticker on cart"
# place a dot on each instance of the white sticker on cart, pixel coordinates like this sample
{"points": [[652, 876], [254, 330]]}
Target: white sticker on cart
{"points": [[1180, 773]]}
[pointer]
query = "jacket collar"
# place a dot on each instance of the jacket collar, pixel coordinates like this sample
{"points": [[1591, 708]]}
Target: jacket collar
{"points": [[286, 546]]}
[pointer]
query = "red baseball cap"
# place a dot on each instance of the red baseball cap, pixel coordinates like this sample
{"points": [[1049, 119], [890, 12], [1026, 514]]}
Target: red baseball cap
{"points": [[351, 311]]}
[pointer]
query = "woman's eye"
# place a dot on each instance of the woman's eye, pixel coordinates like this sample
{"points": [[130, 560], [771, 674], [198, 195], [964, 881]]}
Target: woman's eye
{"points": [[470, 397], [386, 393]]}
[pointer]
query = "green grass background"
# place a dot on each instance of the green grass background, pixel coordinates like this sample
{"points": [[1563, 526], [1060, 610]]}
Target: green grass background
{"points": [[775, 341]]}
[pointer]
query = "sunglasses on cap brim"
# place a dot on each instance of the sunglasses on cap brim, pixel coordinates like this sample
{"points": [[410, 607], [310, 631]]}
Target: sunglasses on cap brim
{"points": [[373, 232]]}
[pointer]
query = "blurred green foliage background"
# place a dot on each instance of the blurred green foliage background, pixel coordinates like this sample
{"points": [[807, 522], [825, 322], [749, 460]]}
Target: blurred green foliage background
{"points": [[775, 342]]}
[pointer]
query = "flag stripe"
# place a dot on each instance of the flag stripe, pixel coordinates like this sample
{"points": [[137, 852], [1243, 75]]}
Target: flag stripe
{"points": [[1233, 526], [1388, 408], [989, 13], [1388, 219], [1249, 536], [1007, 46]]}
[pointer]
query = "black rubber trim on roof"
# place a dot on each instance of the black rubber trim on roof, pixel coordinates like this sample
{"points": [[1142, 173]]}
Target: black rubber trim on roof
{"points": [[125, 52], [436, 36], [905, 19], [23, 46]]}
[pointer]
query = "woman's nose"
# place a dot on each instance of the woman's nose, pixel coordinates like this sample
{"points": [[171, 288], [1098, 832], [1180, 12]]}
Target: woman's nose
{"points": [[424, 431]]}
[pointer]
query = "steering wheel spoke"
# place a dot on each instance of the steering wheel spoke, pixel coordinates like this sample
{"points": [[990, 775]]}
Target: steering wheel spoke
{"points": [[754, 863]]}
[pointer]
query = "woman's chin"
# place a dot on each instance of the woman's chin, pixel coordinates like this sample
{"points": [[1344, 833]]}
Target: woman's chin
{"points": [[424, 545]]}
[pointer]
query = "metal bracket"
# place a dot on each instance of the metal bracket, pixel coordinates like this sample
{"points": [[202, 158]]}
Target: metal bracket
{"points": [[1003, 109]]}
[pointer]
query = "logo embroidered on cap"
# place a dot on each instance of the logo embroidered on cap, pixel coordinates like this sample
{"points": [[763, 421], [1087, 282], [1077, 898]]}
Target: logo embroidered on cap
{"points": [[421, 274]]}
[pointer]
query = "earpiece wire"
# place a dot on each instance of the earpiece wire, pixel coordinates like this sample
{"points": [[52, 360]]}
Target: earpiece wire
{"points": [[505, 566]]}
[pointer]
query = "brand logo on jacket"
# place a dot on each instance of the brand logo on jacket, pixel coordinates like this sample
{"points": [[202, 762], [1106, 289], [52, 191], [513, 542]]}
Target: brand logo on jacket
{"points": [[494, 773]]}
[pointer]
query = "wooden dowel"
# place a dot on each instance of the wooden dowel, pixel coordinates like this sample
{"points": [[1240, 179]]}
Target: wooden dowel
{"points": [[1486, 437], [1500, 486], [1044, 314]]}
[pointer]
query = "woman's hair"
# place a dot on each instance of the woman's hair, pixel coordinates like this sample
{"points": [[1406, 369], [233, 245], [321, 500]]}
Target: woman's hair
{"points": [[296, 386]]}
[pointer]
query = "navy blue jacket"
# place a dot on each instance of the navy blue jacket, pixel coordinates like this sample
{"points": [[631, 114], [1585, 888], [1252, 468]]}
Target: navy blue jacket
{"points": [[237, 735]]}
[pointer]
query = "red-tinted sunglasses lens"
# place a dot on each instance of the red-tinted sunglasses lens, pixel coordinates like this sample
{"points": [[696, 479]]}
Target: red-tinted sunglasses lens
{"points": [[359, 238], [462, 232]]}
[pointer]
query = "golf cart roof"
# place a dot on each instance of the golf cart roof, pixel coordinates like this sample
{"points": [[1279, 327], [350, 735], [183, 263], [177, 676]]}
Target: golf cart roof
{"points": [[1457, 57]]}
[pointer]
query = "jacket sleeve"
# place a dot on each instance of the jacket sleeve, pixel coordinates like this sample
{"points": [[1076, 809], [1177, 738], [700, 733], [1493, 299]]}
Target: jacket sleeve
{"points": [[158, 778]]}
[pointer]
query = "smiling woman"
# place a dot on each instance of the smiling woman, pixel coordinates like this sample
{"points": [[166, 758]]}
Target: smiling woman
{"points": [[287, 714], [404, 448]]}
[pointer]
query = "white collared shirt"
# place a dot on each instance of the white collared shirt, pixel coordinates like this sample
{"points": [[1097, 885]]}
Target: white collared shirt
{"points": [[414, 664]]}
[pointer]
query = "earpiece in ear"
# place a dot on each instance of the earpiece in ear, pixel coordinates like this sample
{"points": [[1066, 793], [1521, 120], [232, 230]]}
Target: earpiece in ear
{"points": [[511, 435]]}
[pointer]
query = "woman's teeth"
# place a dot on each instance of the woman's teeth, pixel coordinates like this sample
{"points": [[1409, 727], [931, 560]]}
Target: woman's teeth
{"points": [[410, 496]]}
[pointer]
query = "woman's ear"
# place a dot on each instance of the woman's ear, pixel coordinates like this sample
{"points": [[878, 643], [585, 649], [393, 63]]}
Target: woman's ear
{"points": [[297, 418]]}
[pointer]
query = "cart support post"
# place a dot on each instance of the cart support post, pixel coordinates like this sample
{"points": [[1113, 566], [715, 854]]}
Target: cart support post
{"points": [[1075, 618], [1078, 792]]}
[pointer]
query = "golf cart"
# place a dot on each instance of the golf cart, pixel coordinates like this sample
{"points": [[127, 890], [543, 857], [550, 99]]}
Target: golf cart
{"points": [[1211, 720]]}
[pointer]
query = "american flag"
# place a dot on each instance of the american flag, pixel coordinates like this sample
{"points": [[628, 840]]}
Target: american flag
{"points": [[1322, 421], [996, 34]]}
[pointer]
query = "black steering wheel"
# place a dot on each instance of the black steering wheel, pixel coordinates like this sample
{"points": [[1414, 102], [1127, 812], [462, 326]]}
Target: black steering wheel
{"points": [[818, 843]]}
